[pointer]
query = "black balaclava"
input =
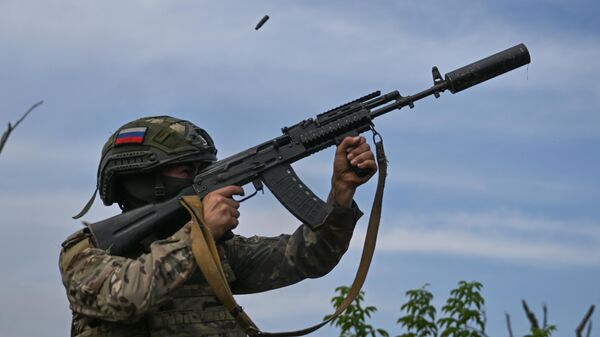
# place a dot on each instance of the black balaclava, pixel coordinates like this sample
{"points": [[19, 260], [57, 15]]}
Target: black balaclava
{"points": [[137, 190]]}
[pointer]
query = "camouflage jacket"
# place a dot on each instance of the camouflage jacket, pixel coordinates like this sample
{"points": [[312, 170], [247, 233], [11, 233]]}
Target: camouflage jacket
{"points": [[160, 292]]}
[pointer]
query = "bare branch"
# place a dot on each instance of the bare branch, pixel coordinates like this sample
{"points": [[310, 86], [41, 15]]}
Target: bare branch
{"points": [[589, 330], [586, 318], [5, 136], [12, 127], [530, 316], [27, 113], [510, 333]]}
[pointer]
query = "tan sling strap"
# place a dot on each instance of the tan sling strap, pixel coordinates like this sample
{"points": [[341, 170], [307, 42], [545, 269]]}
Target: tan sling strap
{"points": [[206, 254], [207, 257]]}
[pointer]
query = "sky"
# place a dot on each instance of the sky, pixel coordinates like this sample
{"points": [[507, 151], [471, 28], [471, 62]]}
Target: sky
{"points": [[498, 183]]}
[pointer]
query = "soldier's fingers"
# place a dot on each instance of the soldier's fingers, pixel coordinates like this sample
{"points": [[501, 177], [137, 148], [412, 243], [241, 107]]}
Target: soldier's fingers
{"points": [[363, 155], [234, 223], [229, 191], [368, 164], [231, 222], [234, 213], [224, 210], [348, 143], [230, 202], [359, 150]]}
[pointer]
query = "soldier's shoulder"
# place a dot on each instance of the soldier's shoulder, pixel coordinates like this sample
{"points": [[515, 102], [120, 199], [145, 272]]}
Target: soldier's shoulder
{"points": [[72, 246], [75, 238]]}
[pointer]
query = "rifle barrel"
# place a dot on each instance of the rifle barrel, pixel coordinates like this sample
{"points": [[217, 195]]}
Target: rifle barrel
{"points": [[487, 68], [459, 79]]}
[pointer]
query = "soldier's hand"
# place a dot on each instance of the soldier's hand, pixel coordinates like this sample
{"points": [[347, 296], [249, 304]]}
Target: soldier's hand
{"points": [[221, 211], [352, 151]]}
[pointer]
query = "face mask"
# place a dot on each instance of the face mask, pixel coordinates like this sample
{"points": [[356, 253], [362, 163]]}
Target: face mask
{"points": [[141, 189], [175, 185]]}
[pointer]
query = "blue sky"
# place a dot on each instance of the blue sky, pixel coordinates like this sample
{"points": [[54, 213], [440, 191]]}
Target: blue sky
{"points": [[498, 183]]}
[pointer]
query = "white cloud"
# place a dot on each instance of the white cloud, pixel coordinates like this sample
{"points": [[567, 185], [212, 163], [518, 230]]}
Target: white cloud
{"points": [[52, 208], [501, 235], [169, 55], [144, 35], [476, 182], [271, 219], [505, 235], [453, 178], [97, 64], [53, 154]]}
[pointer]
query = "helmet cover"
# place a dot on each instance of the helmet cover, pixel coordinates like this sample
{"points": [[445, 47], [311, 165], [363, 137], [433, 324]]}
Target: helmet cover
{"points": [[148, 143]]}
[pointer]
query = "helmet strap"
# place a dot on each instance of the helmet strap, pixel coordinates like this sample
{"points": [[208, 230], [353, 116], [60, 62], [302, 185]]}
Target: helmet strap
{"points": [[87, 206]]}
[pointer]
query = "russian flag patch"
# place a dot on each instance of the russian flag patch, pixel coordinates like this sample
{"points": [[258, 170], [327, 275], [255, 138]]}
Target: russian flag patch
{"points": [[131, 136]]}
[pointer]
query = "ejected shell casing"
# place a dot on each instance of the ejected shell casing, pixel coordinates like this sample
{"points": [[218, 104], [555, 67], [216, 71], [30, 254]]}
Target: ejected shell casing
{"points": [[261, 22]]}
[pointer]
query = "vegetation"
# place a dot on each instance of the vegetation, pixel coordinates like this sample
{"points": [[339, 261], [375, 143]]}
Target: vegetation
{"points": [[11, 127], [419, 320], [352, 322], [463, 315]]}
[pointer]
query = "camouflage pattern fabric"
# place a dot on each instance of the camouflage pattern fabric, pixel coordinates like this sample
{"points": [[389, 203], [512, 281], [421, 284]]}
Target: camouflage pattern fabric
{"points": [[161, 292]]}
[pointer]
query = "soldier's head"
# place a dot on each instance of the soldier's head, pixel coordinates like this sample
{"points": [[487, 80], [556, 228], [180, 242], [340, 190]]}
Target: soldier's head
{"points": [[151, 159]]}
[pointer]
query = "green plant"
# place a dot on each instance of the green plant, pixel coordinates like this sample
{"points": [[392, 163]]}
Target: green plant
{"points": [[542, 332], [419, 320], [546, 330], [352, 321], [465, 316]]}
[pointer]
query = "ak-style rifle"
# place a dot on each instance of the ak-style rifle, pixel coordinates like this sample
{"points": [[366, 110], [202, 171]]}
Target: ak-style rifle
{"points": [[270, 162]]}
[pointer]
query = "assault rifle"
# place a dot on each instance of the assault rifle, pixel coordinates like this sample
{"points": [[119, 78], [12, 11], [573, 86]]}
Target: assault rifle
{"points": [[270, 162]]}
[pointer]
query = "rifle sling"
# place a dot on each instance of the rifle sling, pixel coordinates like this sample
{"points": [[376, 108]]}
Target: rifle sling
{"points": [[207, 257]]}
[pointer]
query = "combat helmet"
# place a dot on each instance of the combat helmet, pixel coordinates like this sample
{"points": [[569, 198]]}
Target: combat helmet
{"points": [[148, 143]]}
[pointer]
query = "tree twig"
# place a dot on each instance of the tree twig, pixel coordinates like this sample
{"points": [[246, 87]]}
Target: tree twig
{"points": [[589, 329], [530, 316], [12, 127], [545, 308], [510, 333], [586, 318]]}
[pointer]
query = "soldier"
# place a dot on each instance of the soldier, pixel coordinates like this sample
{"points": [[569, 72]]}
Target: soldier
{"points": [[157, 290]]}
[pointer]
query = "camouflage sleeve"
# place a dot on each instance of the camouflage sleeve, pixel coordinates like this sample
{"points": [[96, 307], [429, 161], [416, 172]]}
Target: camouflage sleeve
{"points": [[115, 288], [262, 263]]}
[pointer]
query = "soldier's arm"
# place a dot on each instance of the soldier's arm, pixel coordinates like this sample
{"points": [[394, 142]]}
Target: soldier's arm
{"points": [[262, 263], [267, 263], [116, 288]]}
